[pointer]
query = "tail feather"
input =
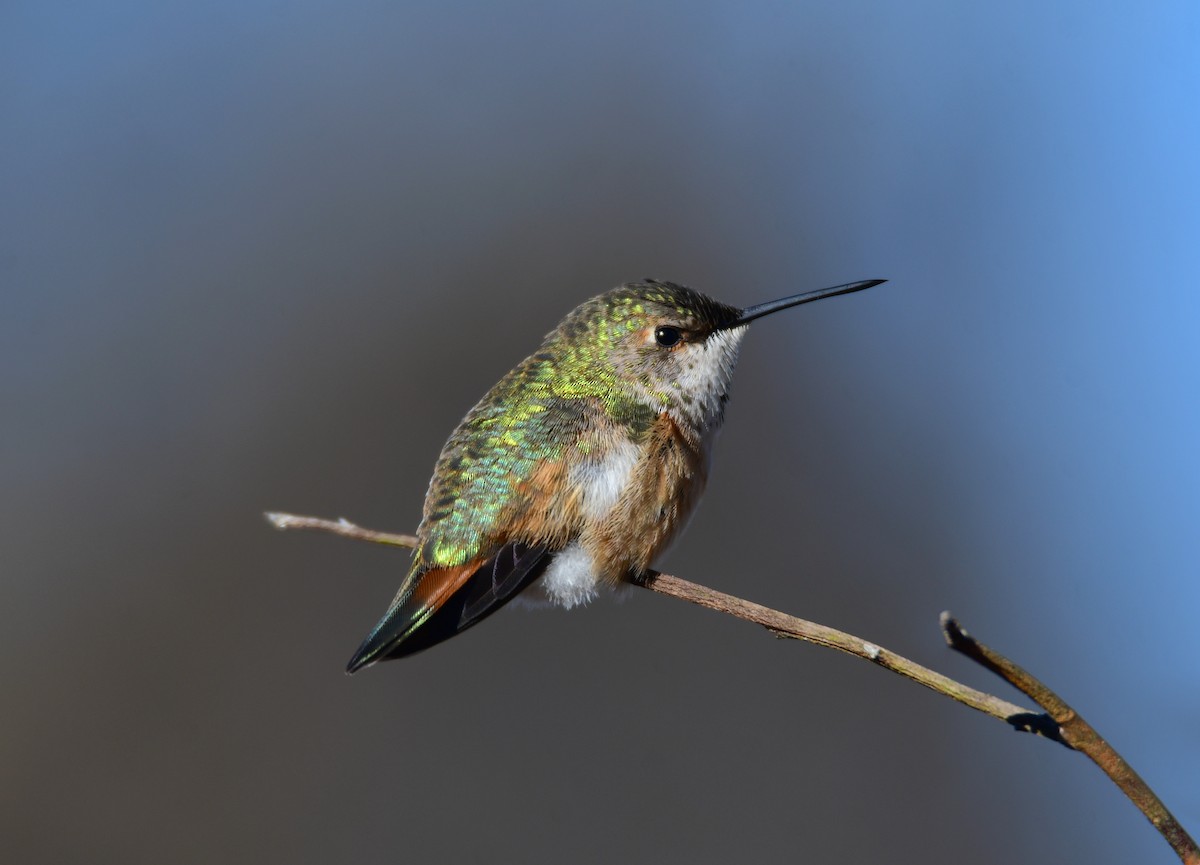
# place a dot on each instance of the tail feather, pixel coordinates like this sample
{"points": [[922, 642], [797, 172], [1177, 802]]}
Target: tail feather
{"points": [[436, 604], [416, 603]]}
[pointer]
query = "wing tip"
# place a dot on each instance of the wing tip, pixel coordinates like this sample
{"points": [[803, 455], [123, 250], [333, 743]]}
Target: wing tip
{"points": [[367, 654], [359, 661]]}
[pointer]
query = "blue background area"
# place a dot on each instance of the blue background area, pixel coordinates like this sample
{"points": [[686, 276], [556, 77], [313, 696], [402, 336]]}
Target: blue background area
{"points": [[264, 255]]}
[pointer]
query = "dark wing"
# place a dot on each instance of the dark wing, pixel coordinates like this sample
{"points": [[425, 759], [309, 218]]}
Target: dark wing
{"points": [[500, 580], [438, 603]]}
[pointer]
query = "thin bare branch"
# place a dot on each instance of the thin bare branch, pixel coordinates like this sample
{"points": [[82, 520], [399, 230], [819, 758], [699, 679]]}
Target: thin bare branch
{"points": [[777, 622], [342, 527], [784, 625], [1060, 722]]}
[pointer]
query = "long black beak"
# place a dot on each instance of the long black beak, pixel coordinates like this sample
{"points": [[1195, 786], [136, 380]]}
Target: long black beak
{"points": [[758, 311]]}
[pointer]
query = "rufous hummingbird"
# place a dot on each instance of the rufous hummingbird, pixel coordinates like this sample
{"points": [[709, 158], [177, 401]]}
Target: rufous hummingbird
{"points": [[578, 467]]}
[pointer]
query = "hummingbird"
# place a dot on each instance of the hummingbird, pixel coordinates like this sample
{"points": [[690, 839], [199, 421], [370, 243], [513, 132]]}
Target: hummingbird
{"points": [[579, 466]]}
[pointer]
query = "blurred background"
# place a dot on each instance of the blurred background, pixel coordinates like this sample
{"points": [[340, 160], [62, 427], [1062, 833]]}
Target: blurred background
{"points": [[264, 255]]}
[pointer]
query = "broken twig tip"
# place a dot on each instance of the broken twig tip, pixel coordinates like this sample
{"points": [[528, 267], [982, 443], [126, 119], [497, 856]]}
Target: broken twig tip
{"points": [[956, 635]]}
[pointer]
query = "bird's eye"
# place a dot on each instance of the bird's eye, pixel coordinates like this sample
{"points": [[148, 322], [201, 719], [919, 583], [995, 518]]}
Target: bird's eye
{"points": [[667, 336]]}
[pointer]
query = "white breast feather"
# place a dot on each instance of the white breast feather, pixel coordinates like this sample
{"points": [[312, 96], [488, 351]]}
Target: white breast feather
{"points": [[571, 578], [601, 482]]}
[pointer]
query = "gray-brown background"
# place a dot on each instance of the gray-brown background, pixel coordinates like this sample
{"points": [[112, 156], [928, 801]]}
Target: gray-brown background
{"points": [[264, 255]]}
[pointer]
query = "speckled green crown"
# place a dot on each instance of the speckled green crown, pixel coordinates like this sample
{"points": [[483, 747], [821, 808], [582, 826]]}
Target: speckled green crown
{"points": [[606, 318]]}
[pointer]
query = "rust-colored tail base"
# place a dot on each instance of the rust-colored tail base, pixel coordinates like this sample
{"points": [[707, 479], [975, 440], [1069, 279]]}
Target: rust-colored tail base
{"points": [[446, 601]]}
